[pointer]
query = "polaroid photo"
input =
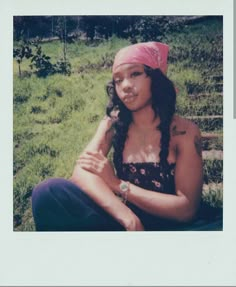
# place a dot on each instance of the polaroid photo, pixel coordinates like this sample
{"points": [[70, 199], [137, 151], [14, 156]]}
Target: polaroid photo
{"points": [[60, 79]]}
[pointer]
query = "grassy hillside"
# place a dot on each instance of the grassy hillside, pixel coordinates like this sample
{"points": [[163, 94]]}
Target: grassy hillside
{"points": [[56, 116]]}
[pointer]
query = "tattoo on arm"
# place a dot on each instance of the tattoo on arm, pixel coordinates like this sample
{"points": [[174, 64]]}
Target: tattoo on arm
{"points": [[198, 145], [177, 133]]}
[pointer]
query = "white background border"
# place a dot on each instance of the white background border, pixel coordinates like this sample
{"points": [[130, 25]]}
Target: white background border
{"points": [[105, 259]]}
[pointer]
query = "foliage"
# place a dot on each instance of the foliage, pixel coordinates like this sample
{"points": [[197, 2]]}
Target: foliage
{"points": [[41, 63], [62, 67], [21, 52], [44, 67], [63, 25], [70, 27], [213, 195], [213, 171], [106, 26], [29, 27], [153, 28]]}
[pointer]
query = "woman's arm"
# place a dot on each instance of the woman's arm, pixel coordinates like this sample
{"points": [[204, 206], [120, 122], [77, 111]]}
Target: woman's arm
{"points": [[188, 181], [96, 188]]}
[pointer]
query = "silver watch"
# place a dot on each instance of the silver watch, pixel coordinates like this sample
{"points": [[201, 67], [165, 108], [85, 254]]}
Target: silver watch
{"points": [[124, 187]]}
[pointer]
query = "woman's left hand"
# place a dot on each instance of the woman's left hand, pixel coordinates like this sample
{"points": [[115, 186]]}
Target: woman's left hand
{"points": [[98, 164]]}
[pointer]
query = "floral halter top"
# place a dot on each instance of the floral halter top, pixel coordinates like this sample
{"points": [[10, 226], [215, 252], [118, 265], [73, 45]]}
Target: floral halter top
{"points": [[149, 175]]}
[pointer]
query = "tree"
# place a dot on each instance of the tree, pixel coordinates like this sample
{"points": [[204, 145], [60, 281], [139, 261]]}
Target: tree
{"points": [[19, 53]]}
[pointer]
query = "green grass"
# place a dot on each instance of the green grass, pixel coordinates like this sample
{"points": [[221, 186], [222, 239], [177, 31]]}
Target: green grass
{"points": [[55, 117], [213, 171], [200, 106], [216, 144], [213, 194]]}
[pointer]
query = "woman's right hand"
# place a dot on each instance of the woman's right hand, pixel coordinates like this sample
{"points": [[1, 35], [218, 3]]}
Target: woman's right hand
{"points": [[134, 224]]}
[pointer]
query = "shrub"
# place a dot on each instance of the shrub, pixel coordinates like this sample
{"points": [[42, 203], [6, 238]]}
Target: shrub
{"points": [[41, 63], [62, 67]]}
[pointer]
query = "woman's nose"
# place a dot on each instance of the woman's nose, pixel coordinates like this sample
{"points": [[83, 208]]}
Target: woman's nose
{"points": [[127, 84]]}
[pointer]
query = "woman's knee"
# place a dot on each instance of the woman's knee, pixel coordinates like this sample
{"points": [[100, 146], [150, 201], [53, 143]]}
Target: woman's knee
{"points": [[42, 193], [54, 190], [47, 202]]}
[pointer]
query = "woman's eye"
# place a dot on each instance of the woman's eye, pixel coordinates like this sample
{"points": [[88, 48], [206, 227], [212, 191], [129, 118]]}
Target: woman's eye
{"points": [[117, 81], [135, 74]]}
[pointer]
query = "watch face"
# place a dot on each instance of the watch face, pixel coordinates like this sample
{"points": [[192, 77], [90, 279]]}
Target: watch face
{"points": [[124, 186]]}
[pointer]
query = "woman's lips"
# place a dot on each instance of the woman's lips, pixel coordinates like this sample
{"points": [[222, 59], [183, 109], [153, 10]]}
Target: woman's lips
{"points": [[129, 99]]}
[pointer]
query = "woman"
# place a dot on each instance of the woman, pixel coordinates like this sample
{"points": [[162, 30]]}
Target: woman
{"points": [[157, 180]]}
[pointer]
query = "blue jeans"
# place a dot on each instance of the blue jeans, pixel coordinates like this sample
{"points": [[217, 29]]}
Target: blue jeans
{"points": [[60, 205]]}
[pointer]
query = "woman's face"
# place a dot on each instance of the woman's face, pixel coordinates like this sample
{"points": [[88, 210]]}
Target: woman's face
{"points": [[133, 86]]}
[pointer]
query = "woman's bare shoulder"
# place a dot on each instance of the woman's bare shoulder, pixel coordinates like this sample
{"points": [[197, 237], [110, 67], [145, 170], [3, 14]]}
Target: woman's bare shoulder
{"points": [[182, 128], [185, 136]]}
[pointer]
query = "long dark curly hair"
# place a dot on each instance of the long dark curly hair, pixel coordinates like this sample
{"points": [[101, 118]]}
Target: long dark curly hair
{"points": [[163, 104]]}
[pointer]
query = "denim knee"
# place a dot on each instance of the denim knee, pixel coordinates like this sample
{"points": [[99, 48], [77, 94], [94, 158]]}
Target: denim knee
{"points": [[45, 205], [41, 194]]}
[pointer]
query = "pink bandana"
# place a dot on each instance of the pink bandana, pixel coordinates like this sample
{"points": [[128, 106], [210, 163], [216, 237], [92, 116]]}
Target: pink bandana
{"points": [[152, 54]]}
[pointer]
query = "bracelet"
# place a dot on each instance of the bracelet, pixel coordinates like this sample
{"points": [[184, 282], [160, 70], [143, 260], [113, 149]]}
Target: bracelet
{"points": [[124, 188]]}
